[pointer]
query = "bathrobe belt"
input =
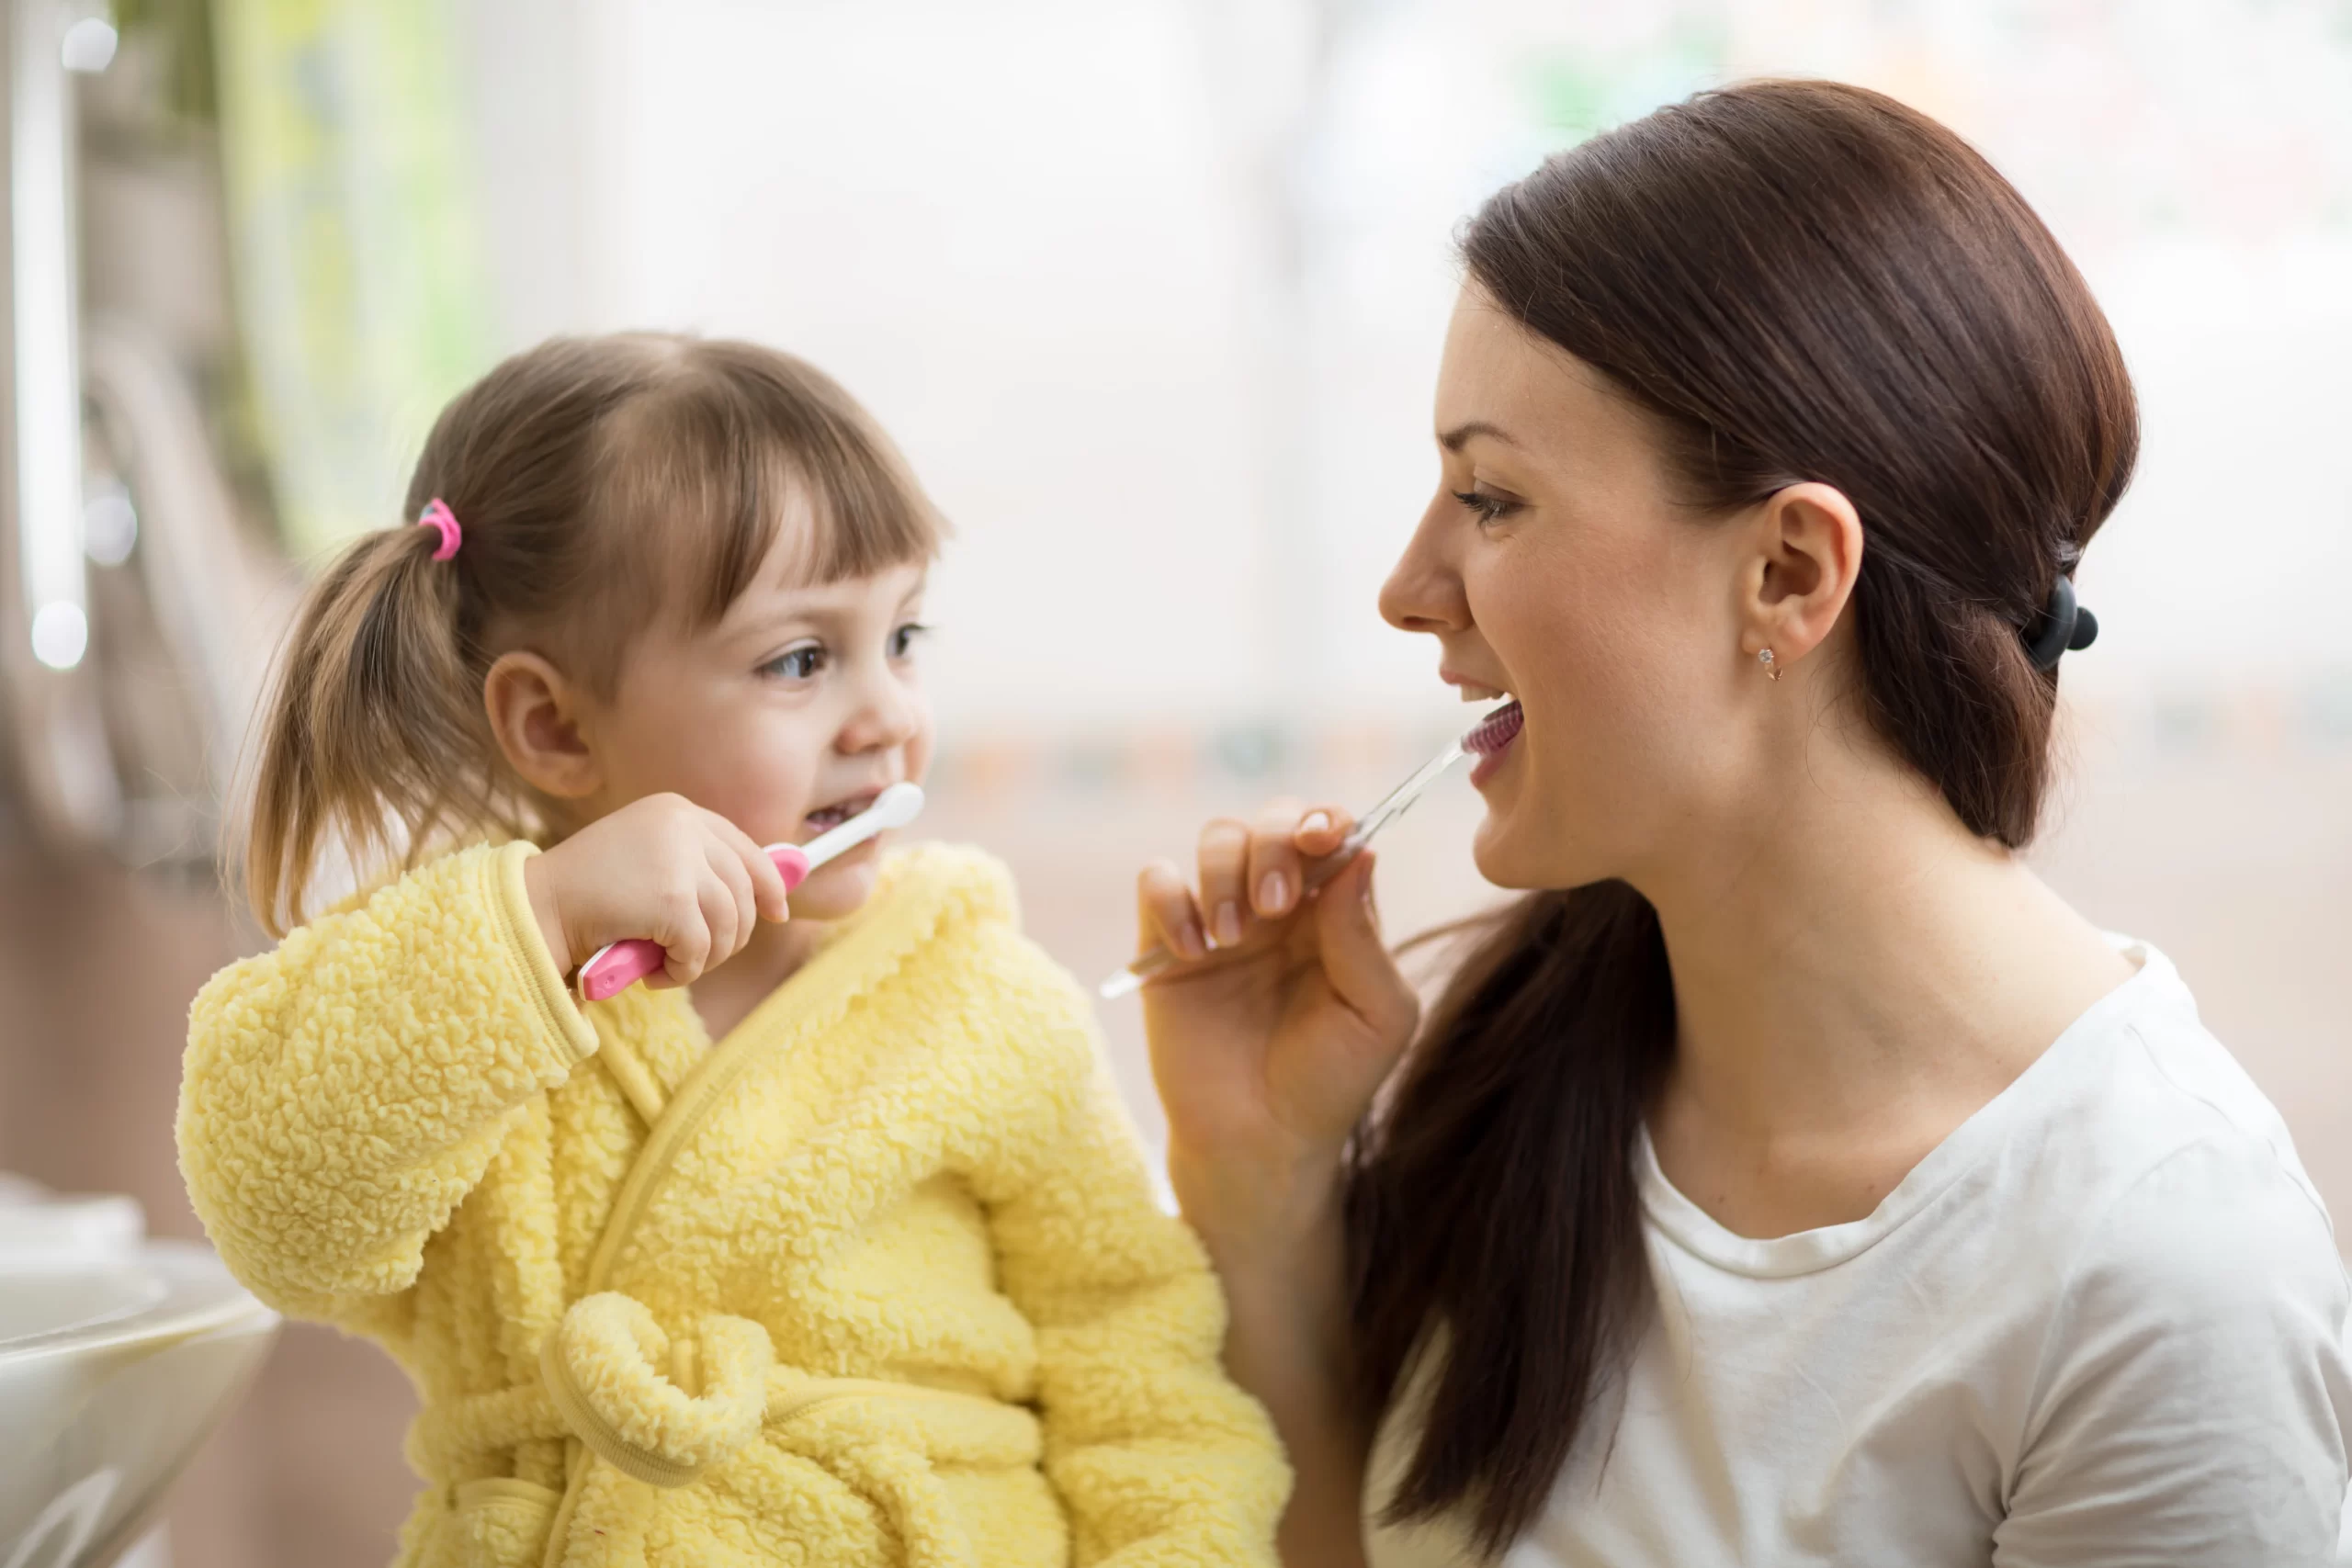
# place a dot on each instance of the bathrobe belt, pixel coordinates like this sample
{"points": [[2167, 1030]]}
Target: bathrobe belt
{"points": [[665, 1410]]}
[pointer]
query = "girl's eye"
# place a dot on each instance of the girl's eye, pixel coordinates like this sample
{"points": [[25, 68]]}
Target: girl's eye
{"points": [[797, 663], [903, 640], [1486, 508]]}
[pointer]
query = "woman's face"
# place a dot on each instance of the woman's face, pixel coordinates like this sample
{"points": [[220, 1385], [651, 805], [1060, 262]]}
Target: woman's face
{"points": [[1556, 565]]}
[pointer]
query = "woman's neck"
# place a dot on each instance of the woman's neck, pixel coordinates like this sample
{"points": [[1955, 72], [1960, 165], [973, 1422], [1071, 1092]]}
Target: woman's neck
{"points": [[725, 995], [1855, 975]]}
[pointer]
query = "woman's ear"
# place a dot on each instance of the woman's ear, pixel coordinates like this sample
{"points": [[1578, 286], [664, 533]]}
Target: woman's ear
{"points": [[535, 710], [1808, 543]]}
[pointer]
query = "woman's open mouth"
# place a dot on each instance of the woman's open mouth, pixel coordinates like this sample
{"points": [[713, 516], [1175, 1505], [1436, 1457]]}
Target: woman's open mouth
{"points": [[1491, 738]]}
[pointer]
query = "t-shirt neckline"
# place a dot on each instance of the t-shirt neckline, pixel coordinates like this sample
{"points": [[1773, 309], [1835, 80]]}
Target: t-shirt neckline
{"points": [[2049, 1076]]}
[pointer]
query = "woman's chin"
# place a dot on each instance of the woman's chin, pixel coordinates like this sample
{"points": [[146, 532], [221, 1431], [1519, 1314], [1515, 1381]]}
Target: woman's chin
{"points": [[1497, 858]]}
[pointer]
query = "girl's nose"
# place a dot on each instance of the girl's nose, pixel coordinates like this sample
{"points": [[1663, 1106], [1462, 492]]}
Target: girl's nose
{"points": [[1423, 593], [889, 714]]}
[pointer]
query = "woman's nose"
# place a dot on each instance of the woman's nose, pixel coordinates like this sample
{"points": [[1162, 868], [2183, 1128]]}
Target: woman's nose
{"points": [[1423, 593]]}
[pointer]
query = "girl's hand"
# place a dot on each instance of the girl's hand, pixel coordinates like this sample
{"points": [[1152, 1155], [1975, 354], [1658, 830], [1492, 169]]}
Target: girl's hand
{"points": [[663, 869], [1270, 1039]]}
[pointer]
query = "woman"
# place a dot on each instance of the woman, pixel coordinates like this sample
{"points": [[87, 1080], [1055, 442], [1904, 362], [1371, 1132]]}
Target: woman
{"points": [[1790, 1176]]}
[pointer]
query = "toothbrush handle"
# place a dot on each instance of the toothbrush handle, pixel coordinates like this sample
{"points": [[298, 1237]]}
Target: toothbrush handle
{"points": [[615, 966], [1126, 981]]}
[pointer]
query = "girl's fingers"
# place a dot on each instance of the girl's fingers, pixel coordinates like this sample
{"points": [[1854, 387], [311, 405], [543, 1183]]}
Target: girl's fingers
{"points": [[724, 920], [766, 883], [1165, 913], [770, 899], [1224, 863], [686, 944], [1276, 877], [730, 869]]}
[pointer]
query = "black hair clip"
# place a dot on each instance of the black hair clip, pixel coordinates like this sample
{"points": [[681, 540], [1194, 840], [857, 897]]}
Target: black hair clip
{"points": [[2064, 626]]}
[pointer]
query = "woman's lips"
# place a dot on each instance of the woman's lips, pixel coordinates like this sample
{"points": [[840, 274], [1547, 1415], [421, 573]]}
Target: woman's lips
{"points": [[1491, 738]]}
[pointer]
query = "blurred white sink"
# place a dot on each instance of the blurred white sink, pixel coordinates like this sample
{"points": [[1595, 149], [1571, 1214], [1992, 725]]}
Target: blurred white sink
{"points": [[116, 1359]]}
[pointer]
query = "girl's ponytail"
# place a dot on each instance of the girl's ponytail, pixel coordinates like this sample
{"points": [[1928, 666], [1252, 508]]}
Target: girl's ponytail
{"points": [[376, 737]]}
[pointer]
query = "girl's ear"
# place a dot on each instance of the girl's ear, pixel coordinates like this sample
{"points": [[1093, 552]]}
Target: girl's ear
{"points": [[1808, 556], [535, 710]]}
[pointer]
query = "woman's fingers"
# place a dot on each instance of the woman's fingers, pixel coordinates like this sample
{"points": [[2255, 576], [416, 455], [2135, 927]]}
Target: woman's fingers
{"points": [[1362, 970], [1166, 914], [1318, 833], [1284, 838], [1224, 865], [1273, 874], [1259, 870]]}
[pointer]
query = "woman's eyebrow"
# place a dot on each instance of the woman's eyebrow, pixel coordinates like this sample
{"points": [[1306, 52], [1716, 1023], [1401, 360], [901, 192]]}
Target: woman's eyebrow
{"points": [[1454, 440]]}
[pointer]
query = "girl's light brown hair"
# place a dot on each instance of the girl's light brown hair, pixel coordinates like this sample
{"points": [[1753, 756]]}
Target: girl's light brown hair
{"points": [[602, 483]]}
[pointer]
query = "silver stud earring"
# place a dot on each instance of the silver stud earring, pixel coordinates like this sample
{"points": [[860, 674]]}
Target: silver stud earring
{"points": [[1772, 666]]}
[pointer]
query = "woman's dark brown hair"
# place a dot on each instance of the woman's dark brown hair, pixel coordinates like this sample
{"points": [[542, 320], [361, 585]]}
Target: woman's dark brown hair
{"points": [[601, 483], [1798, 281]]}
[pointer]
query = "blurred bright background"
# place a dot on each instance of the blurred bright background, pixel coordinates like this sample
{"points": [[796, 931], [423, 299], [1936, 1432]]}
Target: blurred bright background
{"points": [[1151, 293]]}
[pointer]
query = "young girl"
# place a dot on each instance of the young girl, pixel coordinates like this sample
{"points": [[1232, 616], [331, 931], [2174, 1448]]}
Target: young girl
{"points": [[831, 1245]]}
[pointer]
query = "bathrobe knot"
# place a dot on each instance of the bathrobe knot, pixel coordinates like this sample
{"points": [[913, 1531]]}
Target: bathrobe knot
{"points": [[661, 1408]]}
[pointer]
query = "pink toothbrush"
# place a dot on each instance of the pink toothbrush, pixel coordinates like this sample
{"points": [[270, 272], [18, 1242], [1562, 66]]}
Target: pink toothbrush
{"points": [[615, 966]]}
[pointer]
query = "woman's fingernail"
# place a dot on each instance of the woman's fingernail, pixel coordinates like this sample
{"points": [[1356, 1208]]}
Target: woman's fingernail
{"points": [[1273, 894], [1228, 924], [1188, 940], [1370, 910], [1316, 822]]}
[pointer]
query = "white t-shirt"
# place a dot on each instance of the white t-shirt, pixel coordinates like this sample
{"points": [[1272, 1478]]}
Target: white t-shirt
{"points": [[2102, 1322]]}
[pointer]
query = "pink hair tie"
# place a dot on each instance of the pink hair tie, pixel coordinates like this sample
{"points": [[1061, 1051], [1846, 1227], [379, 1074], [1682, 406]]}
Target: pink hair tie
{"points": [[438, 515]]}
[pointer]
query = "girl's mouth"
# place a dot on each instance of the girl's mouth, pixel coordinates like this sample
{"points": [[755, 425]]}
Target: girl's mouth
{"points": [[1491, 738], [826, 818]]}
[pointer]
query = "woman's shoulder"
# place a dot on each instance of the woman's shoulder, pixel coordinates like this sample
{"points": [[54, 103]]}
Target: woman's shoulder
{"points": [[2185, 1175]]}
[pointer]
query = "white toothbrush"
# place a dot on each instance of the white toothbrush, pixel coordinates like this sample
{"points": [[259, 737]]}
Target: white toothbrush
{"points": [[615, 966]]}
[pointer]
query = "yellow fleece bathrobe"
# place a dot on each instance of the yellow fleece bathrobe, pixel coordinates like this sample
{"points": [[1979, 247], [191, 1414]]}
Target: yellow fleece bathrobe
{"points": [[877, 1279]]}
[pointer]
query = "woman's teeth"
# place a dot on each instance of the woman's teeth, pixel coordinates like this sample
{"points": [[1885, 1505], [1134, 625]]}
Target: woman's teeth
{"points": [[1494, 732]]}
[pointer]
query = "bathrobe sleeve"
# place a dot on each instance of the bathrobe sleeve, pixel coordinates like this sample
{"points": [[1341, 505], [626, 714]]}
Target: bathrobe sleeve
{"points": [[343, 1093], [1159, 1457]]}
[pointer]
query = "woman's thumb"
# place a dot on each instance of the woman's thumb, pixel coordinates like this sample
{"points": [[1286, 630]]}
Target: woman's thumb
{"points": [[1361, 969]]}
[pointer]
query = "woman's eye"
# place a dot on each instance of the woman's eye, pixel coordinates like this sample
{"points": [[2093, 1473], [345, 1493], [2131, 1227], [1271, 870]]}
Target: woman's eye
{"points": [[903, 640], [1486, 508], [796, 663]]}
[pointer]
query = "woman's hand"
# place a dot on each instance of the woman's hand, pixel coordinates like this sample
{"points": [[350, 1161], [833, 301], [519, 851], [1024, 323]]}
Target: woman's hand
{"points": [[1268, 1039], [662, 869], [1284, 1015]]}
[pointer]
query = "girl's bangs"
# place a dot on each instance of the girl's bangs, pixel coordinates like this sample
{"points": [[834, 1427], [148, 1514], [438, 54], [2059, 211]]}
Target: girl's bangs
{"points": [[709, 471]]}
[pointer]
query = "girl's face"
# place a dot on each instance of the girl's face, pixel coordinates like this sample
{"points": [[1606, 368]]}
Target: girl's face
{"points": [[788, 716], [1555, 565]]}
